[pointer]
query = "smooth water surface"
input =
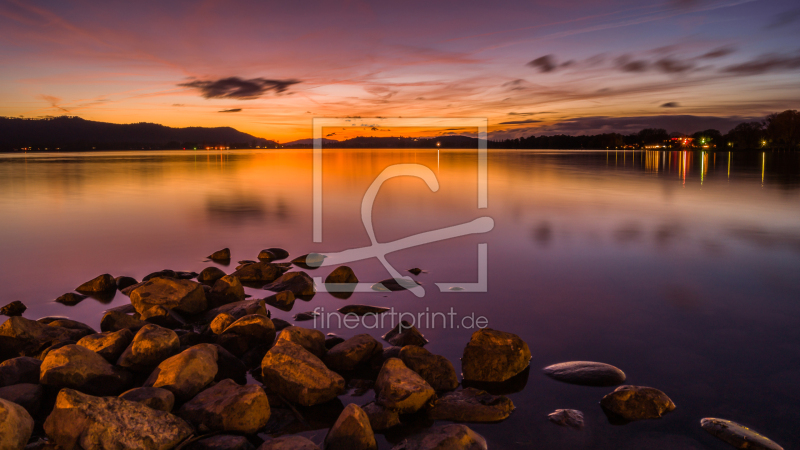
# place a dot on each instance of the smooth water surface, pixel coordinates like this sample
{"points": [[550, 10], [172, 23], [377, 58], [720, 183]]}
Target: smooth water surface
{"points": [[681, 268]]}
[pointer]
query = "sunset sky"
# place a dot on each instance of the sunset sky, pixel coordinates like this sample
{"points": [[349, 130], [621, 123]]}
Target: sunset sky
{"points": [[531, 67]]}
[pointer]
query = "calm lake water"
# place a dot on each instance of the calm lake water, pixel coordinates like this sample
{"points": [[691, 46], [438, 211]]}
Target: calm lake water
{"points": [[680, 268]]}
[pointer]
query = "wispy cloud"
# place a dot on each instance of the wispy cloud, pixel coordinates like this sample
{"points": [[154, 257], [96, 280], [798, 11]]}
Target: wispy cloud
{"points": [[238, 88], [233, 110]]}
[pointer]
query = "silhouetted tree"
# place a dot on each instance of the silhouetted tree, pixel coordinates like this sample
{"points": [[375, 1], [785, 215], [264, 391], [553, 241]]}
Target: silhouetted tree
{"points": [[783, 129], [746, 135], [653, 136], [711, 137]]}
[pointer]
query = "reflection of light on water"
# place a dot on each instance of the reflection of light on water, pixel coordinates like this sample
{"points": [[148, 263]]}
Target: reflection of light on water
{"points": [[729, 165], [763, 160], [651, 161]]}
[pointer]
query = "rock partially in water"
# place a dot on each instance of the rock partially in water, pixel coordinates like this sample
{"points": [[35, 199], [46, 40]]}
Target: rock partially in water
{"points": [[226, 406], [27, 395], [362, 310], [309, 261], [299, 283], [221, 255], [273, 254], [222, 442], [637, 403], [295, 373], [400, 388], [16, 425], [22, 369], [124, 282], [353, 353], [437, 370], [289, 443], [102, 284], [186, 373], [79, 368], [181, 295], [116, 321], [221, 322], [280, 324], [79, 420], [494, 356], [109, 344], [71, 299], [445, 437], [567, 417], [311, 340], [156, 398], [306, 316], [258, 273], [15, 308], [80, 329], [586, 373], [342, 275], [23, 337], [471, 405], [210, 275], [415, 271], [381, 418], [405, 334], [352, 431], [283, 300], [738, 435], [227, 289], [332, 340], [151, 345], [395, 284]]}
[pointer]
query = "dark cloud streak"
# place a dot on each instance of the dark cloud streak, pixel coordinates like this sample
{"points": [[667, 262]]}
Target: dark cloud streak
{"points": [[238, 88]]}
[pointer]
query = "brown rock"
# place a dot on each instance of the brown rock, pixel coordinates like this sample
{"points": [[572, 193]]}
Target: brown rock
{"points": [[567, 417], [471, 405], [222, 321], [156, 398], [405, 334], [76, 367], [437, 370], [102, 284], [22, 337], [227, 406], [222, 442], [289, 443], [80, 329], [181, 295], [255, 326], [381, 418], [22, 369], [221, 255], [151, 345], [351, 431], [186, 373], [227, 289], [109, 344], [362, 310], [283, 300], [15, 308], [82, 421], [210, 275], [309, 261], [341, 275], [238, 309], [16, 425], [401, 389], [123, 282], [162, 317], [637, 402], [71, 299], [311, 340], [352, 353], [737, 435], [586, 373], [445, 437], [115, 321], [299, 283], [258, 273], [494, 356], [27, 395], [299, 376]]}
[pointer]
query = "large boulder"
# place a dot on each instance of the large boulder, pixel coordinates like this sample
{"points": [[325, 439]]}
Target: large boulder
{"points": [[637, 403], [295, 373], [79, 368], [351, 431], [255, 326], [80, 329], [22, 369], [151, 345], [352, 353], [471, 405], [289, 443], [16, 426], [737, 435], [445, 437], [437, 370], [187, 373], [311, 340], [400, 388], [181, 295], [27, 395], [23, 337], [586, 373], [381, 418], [299, 283], [82, 421], [226, 406], [156, 398], [405, 334], [258, 273], [494, 356], [117, 320], [108, 344], [102, 284], [227, 289]]}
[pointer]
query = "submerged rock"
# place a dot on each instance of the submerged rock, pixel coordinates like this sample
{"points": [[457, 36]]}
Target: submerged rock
{"points": [[352, 353], [341, 275], [220, 255], [109, 344], [27, 395], [71, 299], [282, 300], [567, 417], [400, 388], [226, 406], [80, 420], [471, 405], [637, 403], [311, 340], [737, 435], [16, 425], [362, 310], [445, 437], [76, 367], [299, 376], [405, 334], [156, 398], [151, 345], [289, 443], [437, 370], [186, 373], [306, 316], [494, 356], [22, 369], [415, 271], [116, 321], [102, 284], [258, 273], [299, 283], [381, 418], [586, 373], [15, 308], [181, 295], [395, 284], [309, 261], [352, 431]]}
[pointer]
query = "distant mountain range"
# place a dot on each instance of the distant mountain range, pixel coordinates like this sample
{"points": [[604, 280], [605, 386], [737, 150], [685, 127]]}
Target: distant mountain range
{"points": [[74, 133], [391, 142]]}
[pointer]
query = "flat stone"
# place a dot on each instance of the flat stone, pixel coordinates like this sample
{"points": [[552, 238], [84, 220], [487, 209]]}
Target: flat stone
{"points": [[15, 308], [352, 431], [108, 344], [437, 370], [22, 369], [567, 417], [289, 443], [381, 418], [187, 373], [151, 345], [362, 310], [405, 334], [80, 420], [400, 388], [16, 425], [471, 405], [27, 395], [738, 435], [101, 284], [79, 368], [311, 340], [156, 398], [226, 406], [352, 353], [299, 283], [181, 295], [299, 376], [586, 373], [494, 356], [445, 437], [115, 321], [637, 402]]}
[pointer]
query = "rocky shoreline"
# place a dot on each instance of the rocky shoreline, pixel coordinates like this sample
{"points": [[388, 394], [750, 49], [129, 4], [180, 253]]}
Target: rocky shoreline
{"points": [[193, 363]]}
